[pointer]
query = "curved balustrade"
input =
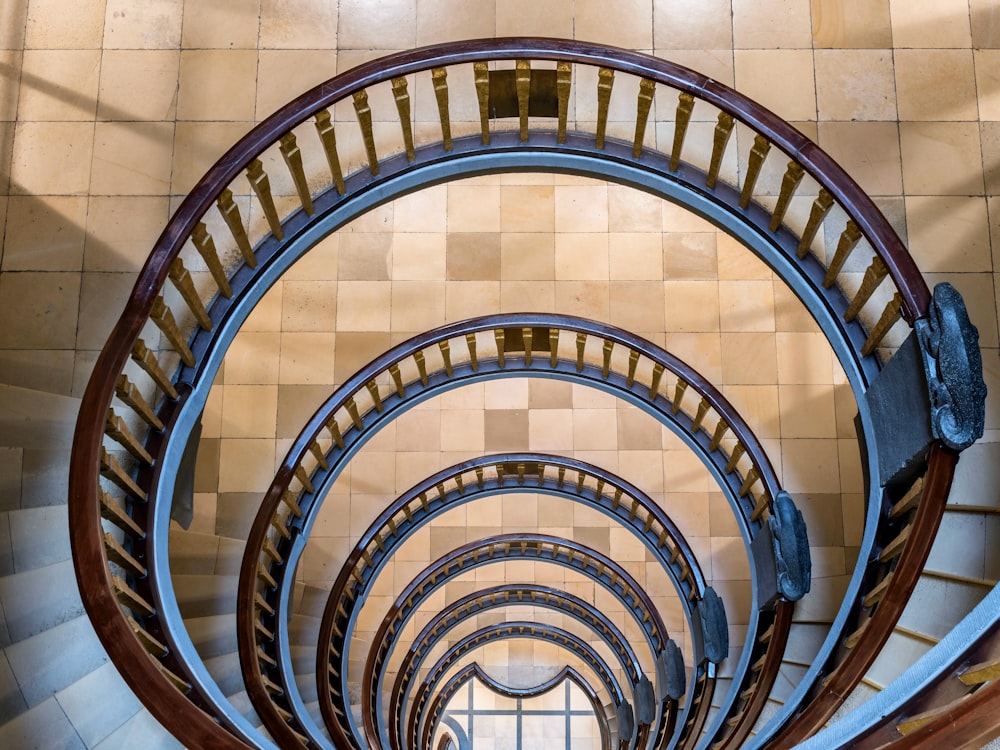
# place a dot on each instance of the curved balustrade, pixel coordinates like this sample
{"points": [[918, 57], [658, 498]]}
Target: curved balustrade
{"points": [[428, 703], [123, 462], [504, 595]]}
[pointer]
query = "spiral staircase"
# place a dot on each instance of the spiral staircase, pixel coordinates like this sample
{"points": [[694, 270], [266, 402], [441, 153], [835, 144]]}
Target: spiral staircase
{"points": [[226, 646]]}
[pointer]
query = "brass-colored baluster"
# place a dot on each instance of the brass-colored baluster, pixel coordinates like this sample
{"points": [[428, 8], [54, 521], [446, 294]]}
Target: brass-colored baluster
{"points": [[482, 75], [522, 84], [760, 508], [561, 476], [791, 180], [418, 357], [820, 208], [498, 334], [734, 457], [645, 101], [685, 105], [372, 387], [145, 358], [720, 431], [164, 320], [675, 404], [182, 282], [352, 409], [893, 312], [328, 137], [364, 113], [654, 385], [263, 573], [700, 415], [334, 429], [605, 80], [470, 343], [581, 344], [120, 556], [608, 347], [748, 481], [848, 241], [520, 473], [397, 379], [445, 347], [758, 153], [271, 551], [113, 511], [553, 346], [440, 78], [723, 130], [261, 185], [500, 474], [526, 336], [293, 160], [130, 598], [114, 472], [231, 214], [128, 394], [480, 476], [317, 451], [874, 275], [116, 428], [633, 360], [205, 246], [563, 83], [402, 96], [303, 477]]}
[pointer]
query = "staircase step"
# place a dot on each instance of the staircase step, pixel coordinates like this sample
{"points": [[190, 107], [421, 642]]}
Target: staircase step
{"points": [[142, 730], [39, 599], [44, 726], [213, 635], [117, 704], [204, 595]]}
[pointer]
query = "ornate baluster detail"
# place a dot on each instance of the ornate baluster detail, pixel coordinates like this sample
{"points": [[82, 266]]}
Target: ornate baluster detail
{"points": [[608, 347], [848, 241], [581, 344], [445, 347], [470, 343], [293, 160], [734, 457], [164, 320], [418, 357], [364, 113], [874, 274], [654, 386], [522, 83], [791, 180], [526, 337], [116, 428], [645, 101], [128, 394], [758, 153], [262, 189], [334, 430], [402, 96], [723, 130], [700, 415], [328, 137], [752, 476], [685, 105], [397, 379], [231, 214], [893, 312], [303, 477], [720, 432], [820, 208], [145, 358], [482, 75], [205, 246], [499, 335], [439, 76], [553, 346], [563, 84], [182, 282], [372, 387], [352, 409], [113, 472], [675, 403], [605, 80]]}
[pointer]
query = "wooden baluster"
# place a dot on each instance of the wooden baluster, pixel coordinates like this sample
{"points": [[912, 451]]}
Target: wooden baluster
{"points": [[231, 214], [893, 312], [145, 358], [700, 415], [364, 114], [758, 154], [334, 429], [748, 481], [113, 472], [328, 137], [633, 360], [445, 347], [723, 130], [791, 180], [439, 76], [402, 97], [112, 510], [553, 346], [734, 457], [121, 557], [874, 275], [293, 160], [130, 598], [685, 106], [261, 185], [317, 451], [526, 337], [372, 387], [675, 403], [182, 282], [563, 84], [608, 347], [522, 84], [654, 386], [397, 379], [645, 101], [820, 208], [605, 80], [418, 357], [848, 241], [720, 431], [128, 394], [498, 334], [470, 343], [581, 344], [151, 644], [303, 477], [482, 75], [763, 503], [352, 409], [271, 551], [205, 246], [164, 320], [116, 428]]}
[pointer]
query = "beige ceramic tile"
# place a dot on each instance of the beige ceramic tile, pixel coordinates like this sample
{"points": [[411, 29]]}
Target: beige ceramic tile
{"points": [[582, 208], [809, 465], [949, 233], [284, 74], [781, 80], [527, 256], [804, 358], [132, 158], [631, 28], [636, 305], [691, 306], [59, 85], [550, 430], [868, 151], [526, 18], [987, 63], [51, 24], [145, 26], [746, 306], [636, 256], [388, 25], [985, 18], [580, 256], [309, 306], [213, 85], [930, 23], [586, 299], [690, 255], [469, 299], [749, 358], [417, 306], [851, 23], [691, 24], [197, 145], [855, 84], [941, 158], [935, 84], [807, 411], [445, 21], [249, 411], [473, 256], [524, 208], [363, 305], [424, 211], [138, 85], [52, 158], [40, 310], [227, 24], [631, 210], [102, 299], [771, 23], [418, 255], [246, 465], [253, 358], [44, 234]]}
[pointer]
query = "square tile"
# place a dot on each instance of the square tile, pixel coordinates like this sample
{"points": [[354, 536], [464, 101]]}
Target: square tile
{"points": [[59, 84], [121, 231], [807, 411], [868, 151], [631, 29], [213, 85], [746, 306], [855, 84], [473, 256], [417, 306], [388, 25], [226, 24], [444, 21], [851, 23], [528, 256], [690, 255], [147, 26], [758, 69], [307, 358], [691, 306], [949, 233], [581, 208], [364, 305], [771, 23], [309, 306], [44, 233], [132, 158], [581, 256], [52, 158], [40, 310], [987, 63], [636, 305], [284, 74], [926, 146], [930, 23], [636, 256], [473, 208], [524, 17], [692, 24], [749, 358], [935, 84], [54, 25], [506, 429], [526, 208]]}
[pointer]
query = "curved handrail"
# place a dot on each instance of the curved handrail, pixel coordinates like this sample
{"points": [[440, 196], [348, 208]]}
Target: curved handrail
{"points": [[503, 595]]}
